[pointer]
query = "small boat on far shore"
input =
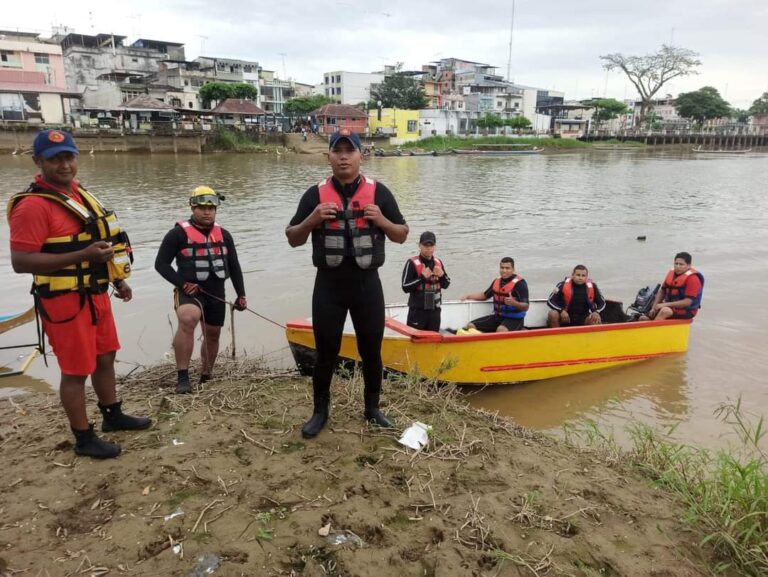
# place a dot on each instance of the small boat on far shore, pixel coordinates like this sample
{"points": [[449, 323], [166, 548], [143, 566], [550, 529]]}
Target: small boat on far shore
{"points": [[499, 150], [721, 151]]}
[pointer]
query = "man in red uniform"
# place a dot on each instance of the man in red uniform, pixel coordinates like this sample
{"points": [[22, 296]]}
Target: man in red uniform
{"points": [[680, 294], [63, 236]]}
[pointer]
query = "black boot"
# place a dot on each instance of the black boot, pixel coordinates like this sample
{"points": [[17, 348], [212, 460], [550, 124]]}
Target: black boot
{"points": [[204, 378], [315, 424], [116, 420], [183, 386], [376, 417], [89, 445], [372, 413]]}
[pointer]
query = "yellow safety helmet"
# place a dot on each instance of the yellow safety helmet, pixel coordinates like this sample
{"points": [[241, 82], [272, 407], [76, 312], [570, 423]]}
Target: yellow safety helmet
{"points": [[205, 196]]}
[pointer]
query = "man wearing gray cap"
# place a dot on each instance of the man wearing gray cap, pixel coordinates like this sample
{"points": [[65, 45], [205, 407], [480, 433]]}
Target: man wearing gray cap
{"points": [[348, 216]]}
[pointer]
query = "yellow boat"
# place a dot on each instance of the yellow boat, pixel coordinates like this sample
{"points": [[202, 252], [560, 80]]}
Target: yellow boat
{"points": [[496, 358]]}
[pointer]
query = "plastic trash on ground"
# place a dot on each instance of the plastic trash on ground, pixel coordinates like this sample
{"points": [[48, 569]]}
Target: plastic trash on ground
{"points": [[207, 563], [345, 537], [416, 436], [177, 513]]}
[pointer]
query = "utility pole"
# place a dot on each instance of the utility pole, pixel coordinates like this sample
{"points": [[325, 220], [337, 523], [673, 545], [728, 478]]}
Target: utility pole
{"points": [[283, 55], [511, 33], [202, 44]]}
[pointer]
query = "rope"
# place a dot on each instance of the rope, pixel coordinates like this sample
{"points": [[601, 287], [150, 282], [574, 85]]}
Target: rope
{"points": [[269, 320]]}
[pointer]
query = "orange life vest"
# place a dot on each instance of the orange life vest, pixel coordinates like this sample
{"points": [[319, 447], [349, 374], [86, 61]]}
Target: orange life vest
{"points": [[568, 293], [500, 293], [674, 290], [203, 254], [350, 233]]}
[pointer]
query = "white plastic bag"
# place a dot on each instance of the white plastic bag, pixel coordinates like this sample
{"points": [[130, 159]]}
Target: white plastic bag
{"points": [[416, 436]]}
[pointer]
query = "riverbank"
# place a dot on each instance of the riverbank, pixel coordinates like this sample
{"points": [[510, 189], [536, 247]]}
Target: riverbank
{"points": [[223, 479]]}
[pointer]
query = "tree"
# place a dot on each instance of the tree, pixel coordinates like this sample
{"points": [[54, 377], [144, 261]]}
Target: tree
{"points": [[490, 121], [518, 122], [760, 106], [220, 91], [399, 91], [741, 116], [607, 109], [303, 105], [244, 91], [650, 72], [702, 105]]}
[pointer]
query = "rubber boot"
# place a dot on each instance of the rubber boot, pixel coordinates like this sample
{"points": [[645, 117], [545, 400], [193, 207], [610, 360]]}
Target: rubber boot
{"points": [[315, 424], [372, 413], [89, 445], [204, 378], [116, 420], [183, 386]]}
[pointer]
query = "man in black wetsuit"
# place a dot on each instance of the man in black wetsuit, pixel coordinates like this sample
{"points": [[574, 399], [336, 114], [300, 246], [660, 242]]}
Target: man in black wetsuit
{"points": [[424, 278], [205, 257], [576, 301], [349, 216]]}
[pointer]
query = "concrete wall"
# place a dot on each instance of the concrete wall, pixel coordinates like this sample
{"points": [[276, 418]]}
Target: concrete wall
{"points": [[52, 108], [109, 143], [355, 86]]}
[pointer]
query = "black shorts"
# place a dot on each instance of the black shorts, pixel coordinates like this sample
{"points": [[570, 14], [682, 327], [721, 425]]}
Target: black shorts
{"points": [[490, 323], [685, 315], [214, 311]]}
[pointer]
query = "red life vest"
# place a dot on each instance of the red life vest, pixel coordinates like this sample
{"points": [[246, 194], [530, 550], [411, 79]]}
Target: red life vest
{"points": [[431, 284], [568, 293], [500, 293], [674, 290], [202, 255], [350, 233]]}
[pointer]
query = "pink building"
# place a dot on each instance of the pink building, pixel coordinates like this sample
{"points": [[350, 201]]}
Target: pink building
{"points": [[333, 117], [33, 87]]}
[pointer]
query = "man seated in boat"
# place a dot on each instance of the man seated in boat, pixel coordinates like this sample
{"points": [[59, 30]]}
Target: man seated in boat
{"points": [[510, 301], [680, 294], [423, 279], [576, 301]]}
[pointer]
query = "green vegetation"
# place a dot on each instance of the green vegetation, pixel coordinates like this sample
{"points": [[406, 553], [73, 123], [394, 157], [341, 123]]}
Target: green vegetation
{"points": [[725, 491], [220, 91], [304, 105], [760, 106], [607, 109], [702, 105], [450, 142], [179, 498], [234, 140], [399, 90]]}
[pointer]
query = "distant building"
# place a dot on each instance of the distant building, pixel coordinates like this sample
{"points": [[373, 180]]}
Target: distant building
{"points": [[33, 86], [333, 117], [350, 87], [107, 72], [400, 125]]}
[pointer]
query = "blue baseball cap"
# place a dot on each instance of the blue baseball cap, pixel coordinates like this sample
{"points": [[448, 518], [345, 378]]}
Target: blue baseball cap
{"points": [[49, 143], [345, 134]]}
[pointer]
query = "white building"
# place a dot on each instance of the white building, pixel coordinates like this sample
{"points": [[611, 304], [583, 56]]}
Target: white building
{"points": [[350, 87]]}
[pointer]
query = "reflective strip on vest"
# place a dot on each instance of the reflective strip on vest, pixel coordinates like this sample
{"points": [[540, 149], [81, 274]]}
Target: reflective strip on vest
{"points": [[98, 224], [203, 254], [350, 234]]}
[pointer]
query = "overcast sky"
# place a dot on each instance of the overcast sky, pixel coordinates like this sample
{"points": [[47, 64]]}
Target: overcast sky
{"points": [[556, 44]]}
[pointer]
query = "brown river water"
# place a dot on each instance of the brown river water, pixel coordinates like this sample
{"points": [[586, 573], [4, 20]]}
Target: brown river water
{"points": [[549, 212]]}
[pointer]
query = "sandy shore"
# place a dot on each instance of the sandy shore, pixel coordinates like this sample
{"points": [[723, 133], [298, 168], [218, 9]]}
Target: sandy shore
{"points": [[224, 481]]}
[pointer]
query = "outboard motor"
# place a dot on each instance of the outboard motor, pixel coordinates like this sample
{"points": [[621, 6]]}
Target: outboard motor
{"points": [[643, 302]]}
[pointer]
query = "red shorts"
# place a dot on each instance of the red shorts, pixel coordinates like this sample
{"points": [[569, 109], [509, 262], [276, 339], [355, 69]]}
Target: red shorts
{"points": [[78, 342]]}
